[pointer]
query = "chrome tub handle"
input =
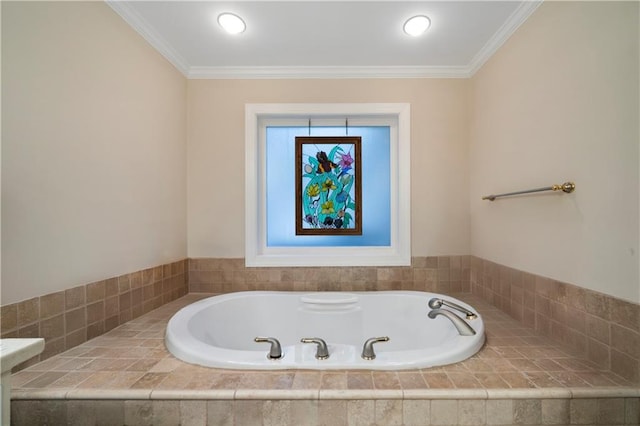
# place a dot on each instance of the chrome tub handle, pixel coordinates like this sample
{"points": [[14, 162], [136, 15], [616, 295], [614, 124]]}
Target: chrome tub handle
{"points": [[367, 349], [322, 352], [276, 350]]}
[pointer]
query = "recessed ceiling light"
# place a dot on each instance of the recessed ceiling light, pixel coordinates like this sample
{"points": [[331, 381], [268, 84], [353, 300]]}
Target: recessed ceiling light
{"points": [[416, 25], [231, 23]]}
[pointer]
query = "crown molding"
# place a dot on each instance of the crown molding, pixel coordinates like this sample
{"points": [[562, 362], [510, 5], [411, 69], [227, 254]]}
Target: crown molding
{"points": [[142, 27], [517, 18], [139, 24], [327, 72]]}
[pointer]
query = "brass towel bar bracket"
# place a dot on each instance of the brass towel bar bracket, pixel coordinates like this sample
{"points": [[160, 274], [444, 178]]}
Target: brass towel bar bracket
{"points": [[567, 187]]}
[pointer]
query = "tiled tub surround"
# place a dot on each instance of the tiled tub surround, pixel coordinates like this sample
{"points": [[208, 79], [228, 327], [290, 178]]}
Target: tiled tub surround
{"points": [[443, 274], [126, 376], [68, 318], [604, 329]]}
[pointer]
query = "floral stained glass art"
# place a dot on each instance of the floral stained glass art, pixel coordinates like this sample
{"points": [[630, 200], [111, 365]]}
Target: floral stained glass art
{"points": [[328, 185]]}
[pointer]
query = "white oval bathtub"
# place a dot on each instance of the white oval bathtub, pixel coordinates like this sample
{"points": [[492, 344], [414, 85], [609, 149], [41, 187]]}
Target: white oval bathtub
{"points": [[219, 331]]}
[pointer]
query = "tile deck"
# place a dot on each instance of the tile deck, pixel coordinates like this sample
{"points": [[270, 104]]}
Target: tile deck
{"points": [[131, 362]]}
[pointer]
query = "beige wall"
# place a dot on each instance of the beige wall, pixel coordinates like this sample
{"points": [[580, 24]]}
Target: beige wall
{"points": [[93, 149], [559, 101], [94, 167], [439, 140]]}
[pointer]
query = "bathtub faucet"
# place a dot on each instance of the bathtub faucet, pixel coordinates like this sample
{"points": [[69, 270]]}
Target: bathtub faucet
{"points": [[276, 350], [436, 303], [322, 352], [367, 350], [463, 328]]}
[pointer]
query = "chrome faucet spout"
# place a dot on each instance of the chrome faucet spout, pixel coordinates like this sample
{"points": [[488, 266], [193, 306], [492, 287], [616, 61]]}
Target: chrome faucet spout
{"points": [[463, 328], [276, 350], [322, 352], [437, 303], [367, 350]]}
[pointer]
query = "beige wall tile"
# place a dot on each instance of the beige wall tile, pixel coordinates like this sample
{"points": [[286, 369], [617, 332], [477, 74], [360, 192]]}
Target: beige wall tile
{"points": [[332, 412], [444, 412], [39, 412], [147, 277], [499, 412], [583, 411], [611, 411], [625, 313], [30, 331], [471, 412], [125, 301], [555, 411], [95, 312], [96, 329], [632, 411], [75, 319], [625, 340], [81, 412], [416, 412], [527, 411], [388, 412], [136, 297], [52, 304], [576, 319], [139, 413], [8, 317], [361, 412], [96, 291], [598, 328], [598, 353], [73, 339], [193, 413], [53, 347], [276, 413], [166, 413], [123, 283], [135, 279], [598, 304], [75, 297], [111, 287], [52, 328], [111, 306], [625, 366], [166, 271], [220, 413], [158, 273], [248, 413], [303, 412], [28, 311]]}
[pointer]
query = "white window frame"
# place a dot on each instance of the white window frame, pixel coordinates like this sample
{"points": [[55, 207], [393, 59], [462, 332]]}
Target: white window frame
{"points": [[258, 116]]}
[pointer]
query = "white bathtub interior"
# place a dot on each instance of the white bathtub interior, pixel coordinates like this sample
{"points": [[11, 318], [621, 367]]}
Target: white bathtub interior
{"points": [[219, 331]]}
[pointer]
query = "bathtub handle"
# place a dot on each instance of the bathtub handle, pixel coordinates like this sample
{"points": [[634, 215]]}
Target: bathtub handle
{"points": [[276, 350], [367, 349], [322, 352]]}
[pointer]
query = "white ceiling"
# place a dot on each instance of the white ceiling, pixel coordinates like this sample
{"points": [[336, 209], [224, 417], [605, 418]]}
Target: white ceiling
{"points": [[328, 39]]}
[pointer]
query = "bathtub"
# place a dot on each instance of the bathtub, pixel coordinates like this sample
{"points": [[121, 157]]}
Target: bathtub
{"points": [[219, 331]]}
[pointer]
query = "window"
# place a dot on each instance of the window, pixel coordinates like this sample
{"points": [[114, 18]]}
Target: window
{"points": [[270, 215]]}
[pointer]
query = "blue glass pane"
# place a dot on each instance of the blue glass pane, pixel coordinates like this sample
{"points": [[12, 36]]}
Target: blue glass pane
{"points": [[280, 191]]}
